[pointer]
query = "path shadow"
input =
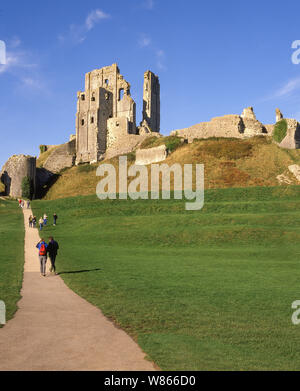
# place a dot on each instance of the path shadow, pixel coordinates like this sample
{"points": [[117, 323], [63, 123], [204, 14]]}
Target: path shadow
{"points": [[79, 271]]}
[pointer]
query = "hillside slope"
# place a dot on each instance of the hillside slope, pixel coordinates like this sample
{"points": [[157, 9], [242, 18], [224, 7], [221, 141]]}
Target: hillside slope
{"points": [[228, 163]]}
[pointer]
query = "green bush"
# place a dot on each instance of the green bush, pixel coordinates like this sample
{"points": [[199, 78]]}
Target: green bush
{"points": [[43, 148], [280, 130], [27, 188], [131, 157], [172, 143]]}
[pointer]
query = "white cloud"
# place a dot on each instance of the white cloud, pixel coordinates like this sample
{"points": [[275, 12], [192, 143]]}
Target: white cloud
{"points": [[16, 59], [78, 33], [94, 17], [144, 41]]}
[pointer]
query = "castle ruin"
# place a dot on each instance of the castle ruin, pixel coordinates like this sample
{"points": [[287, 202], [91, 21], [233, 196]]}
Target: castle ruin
{"points": [[106, 113]]}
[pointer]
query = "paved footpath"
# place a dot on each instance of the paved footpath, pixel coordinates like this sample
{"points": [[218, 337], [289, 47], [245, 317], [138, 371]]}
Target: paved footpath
{"points": [[55, 329]]}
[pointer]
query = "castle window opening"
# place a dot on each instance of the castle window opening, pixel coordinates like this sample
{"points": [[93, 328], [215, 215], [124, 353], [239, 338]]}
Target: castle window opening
{"points": [[92, 120], [82, 97], [82, 122], [121, 93], [106, 82]]}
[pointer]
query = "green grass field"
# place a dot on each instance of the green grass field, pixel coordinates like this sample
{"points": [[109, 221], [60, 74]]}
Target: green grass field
{"points": [[202, 290], [11, 255]]}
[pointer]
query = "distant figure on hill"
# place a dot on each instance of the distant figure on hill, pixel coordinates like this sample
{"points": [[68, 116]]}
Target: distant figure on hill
{"points": [[34, 222], [41, 223], [45, 219], [20, 202], [30, 221], [42, 247], [28, 204], [52, 251], [54, 218]]}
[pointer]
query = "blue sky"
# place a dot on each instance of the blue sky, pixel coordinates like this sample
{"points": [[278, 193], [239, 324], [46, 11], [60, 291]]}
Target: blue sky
{"points": [[213, 58]]}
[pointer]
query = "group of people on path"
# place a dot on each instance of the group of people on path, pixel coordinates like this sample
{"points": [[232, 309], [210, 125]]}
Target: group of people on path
{"points": [[45, 250], [23, 203], [42, 221]]}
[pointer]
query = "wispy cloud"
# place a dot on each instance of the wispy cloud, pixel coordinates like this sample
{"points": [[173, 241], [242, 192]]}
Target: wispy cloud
{"points": [[159, 55], [78, 33], [94, 17], [33, 83], [149, 4], [17, 59], [160, 60], [19, 64], [144, 41], [288, 88]]}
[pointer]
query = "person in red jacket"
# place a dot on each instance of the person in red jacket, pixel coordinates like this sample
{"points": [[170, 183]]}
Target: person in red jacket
{"points": [[42, 247]]}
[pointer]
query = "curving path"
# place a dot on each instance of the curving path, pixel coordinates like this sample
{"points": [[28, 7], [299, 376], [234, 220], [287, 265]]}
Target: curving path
{"points": [[55, 329]]}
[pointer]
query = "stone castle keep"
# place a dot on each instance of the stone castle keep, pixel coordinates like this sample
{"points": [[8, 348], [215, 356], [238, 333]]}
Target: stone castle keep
{"points": [[106, 127], [106, 113]]}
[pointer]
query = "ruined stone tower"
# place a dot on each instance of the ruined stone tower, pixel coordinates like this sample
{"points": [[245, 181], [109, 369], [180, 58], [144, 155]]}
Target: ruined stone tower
{"points": [[151, 101], [106, 95], [14, 171]]}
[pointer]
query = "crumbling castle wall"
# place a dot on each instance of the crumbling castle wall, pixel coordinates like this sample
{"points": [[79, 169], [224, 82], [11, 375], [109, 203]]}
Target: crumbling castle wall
{"points": [[62, 157], [235, 126], [13, 172], [292, 138], [226, 126], [151, 155]]}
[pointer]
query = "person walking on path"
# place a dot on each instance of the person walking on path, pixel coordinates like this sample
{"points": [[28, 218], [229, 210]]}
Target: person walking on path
{"points": [[54, 219], [34, 222], [45, 219], [20, 202], [52, 251], [41, 223], [42, 247], [30, 221]]}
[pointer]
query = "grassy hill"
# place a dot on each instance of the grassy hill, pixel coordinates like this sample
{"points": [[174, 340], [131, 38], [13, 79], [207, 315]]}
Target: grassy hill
{"points": [[11, 254], [202, 290], [228, 163]]}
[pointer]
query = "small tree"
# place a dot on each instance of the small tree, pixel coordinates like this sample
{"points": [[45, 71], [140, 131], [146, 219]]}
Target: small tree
{"points": [[27, 188]]}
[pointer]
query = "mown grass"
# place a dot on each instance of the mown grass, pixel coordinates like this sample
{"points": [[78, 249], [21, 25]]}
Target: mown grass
{"points": [[202, 290], [11, 255]]}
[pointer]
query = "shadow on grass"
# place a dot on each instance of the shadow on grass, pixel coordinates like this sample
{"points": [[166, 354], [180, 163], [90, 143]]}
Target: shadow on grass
{"points": [[79, 271]]}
